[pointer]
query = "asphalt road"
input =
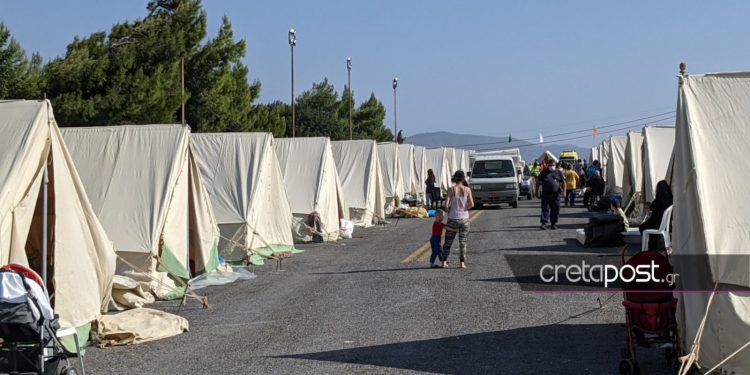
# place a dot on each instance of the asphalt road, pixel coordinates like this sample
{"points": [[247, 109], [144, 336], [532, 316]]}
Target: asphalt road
{"points": [[371, 305]]}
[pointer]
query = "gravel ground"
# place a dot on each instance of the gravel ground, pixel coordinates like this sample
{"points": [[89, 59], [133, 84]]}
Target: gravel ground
{"points": [[355, 306]]}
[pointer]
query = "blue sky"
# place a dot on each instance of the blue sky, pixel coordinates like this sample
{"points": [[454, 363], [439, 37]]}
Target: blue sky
{"points": [[481, 67]]}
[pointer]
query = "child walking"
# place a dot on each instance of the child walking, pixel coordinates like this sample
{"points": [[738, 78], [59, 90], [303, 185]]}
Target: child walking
{"points": [[435, 240]]}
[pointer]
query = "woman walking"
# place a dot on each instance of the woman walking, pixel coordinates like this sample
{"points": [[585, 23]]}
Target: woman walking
{"points": [[430, 188], [459, 202]]}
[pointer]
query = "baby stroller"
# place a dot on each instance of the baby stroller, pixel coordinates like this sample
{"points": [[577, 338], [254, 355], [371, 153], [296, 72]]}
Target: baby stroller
{"points": [[29, 329], [649, 311]]}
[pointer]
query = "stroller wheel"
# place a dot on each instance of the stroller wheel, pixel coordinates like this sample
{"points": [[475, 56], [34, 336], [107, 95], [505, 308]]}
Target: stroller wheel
{"points": [[69, 371], [628, 367]]}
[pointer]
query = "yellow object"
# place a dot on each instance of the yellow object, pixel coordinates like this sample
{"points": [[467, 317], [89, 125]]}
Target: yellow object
{"points": [[571, 179]]}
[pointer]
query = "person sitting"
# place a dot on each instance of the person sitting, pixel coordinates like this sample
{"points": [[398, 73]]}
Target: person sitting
{"points": [[660, 204]]}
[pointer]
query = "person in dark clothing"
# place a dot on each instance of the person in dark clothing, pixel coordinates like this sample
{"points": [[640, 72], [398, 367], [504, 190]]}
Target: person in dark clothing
{"points": [[553, 188], [661, 202], [430, 189], [596, 187]]}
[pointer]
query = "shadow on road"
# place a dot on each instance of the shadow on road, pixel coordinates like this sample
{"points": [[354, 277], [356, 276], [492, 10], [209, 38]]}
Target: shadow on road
{"points": [[368, 271], [534, 350]]}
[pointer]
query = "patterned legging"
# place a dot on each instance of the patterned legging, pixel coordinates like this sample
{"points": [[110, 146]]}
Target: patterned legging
{"points": [[463, 236]]}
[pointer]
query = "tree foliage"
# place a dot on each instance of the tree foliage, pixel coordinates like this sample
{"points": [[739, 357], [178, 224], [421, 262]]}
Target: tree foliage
{"points": [[20, 77], [133, 75]]}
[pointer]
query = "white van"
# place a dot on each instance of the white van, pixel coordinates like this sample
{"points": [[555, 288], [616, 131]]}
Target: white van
{"points": [[494, 180]]}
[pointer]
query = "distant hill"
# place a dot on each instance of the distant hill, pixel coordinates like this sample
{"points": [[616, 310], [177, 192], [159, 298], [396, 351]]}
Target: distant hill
{"points": [[529, 151]]}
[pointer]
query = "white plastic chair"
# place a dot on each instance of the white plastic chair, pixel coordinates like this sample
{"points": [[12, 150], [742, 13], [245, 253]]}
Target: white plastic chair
{"points": [[663, 230]]}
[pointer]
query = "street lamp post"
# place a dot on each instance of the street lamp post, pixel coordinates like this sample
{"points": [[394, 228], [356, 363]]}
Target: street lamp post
{"points": [[349, 80], [292, 43], [395, 123]]}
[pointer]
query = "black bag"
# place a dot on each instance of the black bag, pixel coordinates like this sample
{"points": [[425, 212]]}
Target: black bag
{"points": [[604, 231]]}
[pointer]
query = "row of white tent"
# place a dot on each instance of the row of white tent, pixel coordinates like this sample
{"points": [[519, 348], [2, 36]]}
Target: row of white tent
{"points": [[634, 163], [158, 203], [702, 158]]}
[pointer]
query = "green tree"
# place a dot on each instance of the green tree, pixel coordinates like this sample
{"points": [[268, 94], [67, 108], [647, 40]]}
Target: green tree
{"points": [[318, 113], [221, 98], [20, 78], [274, 118], [368, 121], [133, 75]]}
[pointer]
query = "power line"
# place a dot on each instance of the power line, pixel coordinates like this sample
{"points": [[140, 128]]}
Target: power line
{"points": [[573, 131], [586, 136]]}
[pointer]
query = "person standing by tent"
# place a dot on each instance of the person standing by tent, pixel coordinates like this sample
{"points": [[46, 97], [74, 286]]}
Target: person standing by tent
{"points": [[553, 187], [571, 183], [592, 169], [459, 202], [430, 188]]}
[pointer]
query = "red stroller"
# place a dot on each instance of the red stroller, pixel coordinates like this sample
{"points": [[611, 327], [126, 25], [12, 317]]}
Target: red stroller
{"points": [[649, 311]]}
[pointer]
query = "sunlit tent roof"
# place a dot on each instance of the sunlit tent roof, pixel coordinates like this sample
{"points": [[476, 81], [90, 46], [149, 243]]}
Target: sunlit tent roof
{"points": [[437, 160], [408, 169], [710, 226], [243, 178], [83, 261], [658, 144], [312, 184], [604, 157], [546, 157], [633, 179], [419, 160], [359, 171], [390, 167], [616, 164], [144, 185], [594, 155]]}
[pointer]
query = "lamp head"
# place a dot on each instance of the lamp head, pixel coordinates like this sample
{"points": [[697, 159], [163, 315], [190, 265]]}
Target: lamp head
{"points": [[395, 83], [292, 37], [349, 63]]}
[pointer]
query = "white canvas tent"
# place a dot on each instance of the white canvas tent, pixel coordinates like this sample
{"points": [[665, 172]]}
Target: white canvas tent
{"points": [[615, 164], [145, 187], [604, 157], [82, 259], [390, 167], [312, 185], [710, 236], [361, 180], [408, 163], [546, 157], [244, 180], [594, 154], [633, 179], [437, 160], [421, 168], [658, 145]]}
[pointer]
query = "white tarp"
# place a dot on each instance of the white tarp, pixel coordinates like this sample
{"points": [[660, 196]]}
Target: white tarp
{"points": [[658, 144], [409, 178], [464, 164], [616, 164], [145, 187], [390, 167], [546, 157], [437, 160], [594, 155], [83, 261], [452, 160], [711, 217], [361, 180], [419, 160], [244, 180], [312, 184], [632, 181]]}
